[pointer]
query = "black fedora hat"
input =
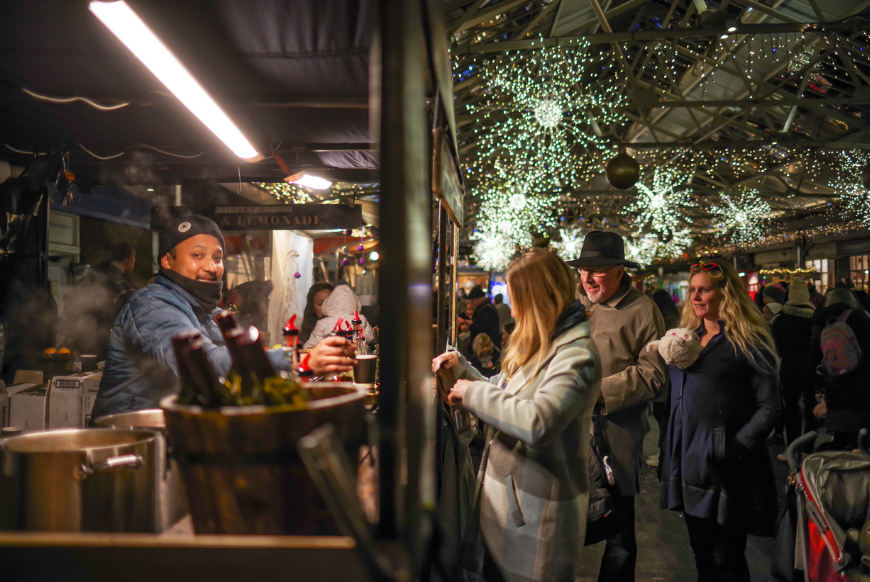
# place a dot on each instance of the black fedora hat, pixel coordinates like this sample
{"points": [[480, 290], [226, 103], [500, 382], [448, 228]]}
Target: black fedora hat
{"points": [[602, 249]]}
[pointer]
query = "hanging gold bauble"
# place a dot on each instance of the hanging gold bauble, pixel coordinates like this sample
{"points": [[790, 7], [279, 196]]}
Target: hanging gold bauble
{"points": [[622, 171]]}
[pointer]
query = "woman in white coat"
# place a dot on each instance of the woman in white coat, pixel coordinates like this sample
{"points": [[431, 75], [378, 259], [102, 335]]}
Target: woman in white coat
{"points": [[534, 494]]}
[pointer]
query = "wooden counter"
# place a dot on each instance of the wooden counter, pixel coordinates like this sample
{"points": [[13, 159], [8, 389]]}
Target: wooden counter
{"points": [[78, 557]]}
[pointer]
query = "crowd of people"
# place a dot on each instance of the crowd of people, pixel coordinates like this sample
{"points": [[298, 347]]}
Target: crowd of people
{"points": [[757, 373]]}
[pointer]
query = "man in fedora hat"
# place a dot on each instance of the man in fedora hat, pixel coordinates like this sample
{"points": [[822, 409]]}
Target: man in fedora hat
{"points": [[623, 321]]}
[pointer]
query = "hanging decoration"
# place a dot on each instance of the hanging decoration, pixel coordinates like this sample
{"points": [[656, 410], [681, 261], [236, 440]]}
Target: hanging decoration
{"points": [[571, 244], [622, 171], [659, 206], [850, 184], [507, 216], [645, 249], [743, 215], [286, 192], [544, 115]]}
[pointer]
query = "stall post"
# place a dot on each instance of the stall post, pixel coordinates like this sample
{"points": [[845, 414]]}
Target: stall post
{"points": [[405, 284]]}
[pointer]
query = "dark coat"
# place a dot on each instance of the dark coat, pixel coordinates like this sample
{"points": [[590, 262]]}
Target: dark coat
{"points": [[792, 330], [847, 396], [716, 463], [485, 320]]}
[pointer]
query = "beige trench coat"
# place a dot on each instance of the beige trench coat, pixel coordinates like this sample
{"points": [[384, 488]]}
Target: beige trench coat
{"points": [[535, 487], [631, 376]]}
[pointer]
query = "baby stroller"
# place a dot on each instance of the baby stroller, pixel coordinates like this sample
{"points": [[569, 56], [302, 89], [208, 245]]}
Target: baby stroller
{"points": [[830, 497]]}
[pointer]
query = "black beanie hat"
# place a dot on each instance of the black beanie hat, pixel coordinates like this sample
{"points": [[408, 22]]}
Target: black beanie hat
{"points": [[181, 228]]}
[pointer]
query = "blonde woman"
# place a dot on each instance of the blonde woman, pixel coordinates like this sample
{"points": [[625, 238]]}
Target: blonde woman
{"points": [[532, 503], [716, 468]]}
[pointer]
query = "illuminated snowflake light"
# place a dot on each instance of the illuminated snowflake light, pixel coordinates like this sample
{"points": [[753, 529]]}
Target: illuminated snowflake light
{"points": [[543, 113], [659, 206], [508, 215], [571, 244], [743, 215], [645, 249], [548, 113]]}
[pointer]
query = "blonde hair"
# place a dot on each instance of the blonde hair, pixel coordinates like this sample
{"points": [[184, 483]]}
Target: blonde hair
{"points": [[481, 342], [745, 327], [541, 286]]}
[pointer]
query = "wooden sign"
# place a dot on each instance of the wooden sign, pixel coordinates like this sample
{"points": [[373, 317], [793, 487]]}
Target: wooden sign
{"points": [[278, 217], [446, 179]]}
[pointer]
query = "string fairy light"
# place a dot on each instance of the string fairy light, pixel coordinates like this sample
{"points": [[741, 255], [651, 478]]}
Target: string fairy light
{"points": [[849, 183]]}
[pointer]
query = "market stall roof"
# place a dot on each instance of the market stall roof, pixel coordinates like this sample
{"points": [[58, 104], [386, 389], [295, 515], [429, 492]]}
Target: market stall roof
{"points": [[292, 74]]}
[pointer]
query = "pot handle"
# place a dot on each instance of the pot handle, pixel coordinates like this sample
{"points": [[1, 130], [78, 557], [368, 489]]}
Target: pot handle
{"points": [[110, 465]]}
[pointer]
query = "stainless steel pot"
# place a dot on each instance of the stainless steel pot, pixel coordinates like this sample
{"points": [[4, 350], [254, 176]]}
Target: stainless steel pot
{"points": [[96, 480], [171, 499]]}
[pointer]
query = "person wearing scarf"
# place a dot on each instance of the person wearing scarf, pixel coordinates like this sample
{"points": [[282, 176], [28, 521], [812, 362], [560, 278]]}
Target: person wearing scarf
{"points": [[140, 367]]}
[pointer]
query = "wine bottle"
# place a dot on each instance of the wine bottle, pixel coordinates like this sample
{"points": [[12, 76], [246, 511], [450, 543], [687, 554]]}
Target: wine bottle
{"points": [[359, 339], [259, 378], [200, 384], [291, 341], [226, 321]]}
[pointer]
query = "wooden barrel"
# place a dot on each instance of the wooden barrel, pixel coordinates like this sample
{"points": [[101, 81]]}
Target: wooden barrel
{"points": [[240, 464]]}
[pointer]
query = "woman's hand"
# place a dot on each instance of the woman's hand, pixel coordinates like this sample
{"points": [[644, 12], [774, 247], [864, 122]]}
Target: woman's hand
{"points": [[447, 360], [333, 354], [457, 393]]}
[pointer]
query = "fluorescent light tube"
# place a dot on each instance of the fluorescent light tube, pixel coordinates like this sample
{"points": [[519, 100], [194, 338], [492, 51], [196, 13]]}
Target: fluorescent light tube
{"points": [[309, 181], [136, 36]]}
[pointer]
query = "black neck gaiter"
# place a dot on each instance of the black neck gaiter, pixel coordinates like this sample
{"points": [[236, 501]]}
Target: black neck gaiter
{"points": [[206, 293]]}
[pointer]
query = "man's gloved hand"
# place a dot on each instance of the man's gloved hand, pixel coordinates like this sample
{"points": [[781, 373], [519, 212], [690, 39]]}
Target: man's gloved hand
{"points": [[333, 354]]}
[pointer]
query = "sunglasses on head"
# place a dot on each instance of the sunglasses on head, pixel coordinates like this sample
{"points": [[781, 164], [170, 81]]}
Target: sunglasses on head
{"points": [[704, 267]]}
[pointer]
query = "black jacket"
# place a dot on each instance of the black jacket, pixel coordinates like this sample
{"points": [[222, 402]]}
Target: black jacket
{"points": [[485, 320], [847, 396], [792, 330], [716, 464]]}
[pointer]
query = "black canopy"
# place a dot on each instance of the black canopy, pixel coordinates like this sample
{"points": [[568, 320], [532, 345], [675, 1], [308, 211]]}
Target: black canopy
{"points": [[292, 74]]}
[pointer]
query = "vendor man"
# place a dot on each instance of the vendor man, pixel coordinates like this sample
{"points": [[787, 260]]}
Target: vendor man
{"points": [[141, 368]]}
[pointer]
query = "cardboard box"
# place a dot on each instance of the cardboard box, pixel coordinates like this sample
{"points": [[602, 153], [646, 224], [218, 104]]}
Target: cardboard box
{"points": [[90, 388], [27, 409], [71, 398], [6, 393]]}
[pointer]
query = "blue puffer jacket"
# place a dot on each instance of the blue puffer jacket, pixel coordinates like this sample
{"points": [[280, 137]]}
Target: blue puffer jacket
{"points": [[141, 367]]}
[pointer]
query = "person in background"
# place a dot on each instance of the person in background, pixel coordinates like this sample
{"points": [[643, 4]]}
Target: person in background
{"points": [[92, 305], [484, 356], [504, 311], [775, 293], [141, 366], [771, 310], [623, 321], [483, 316], [252, 301], [846, 397], [533, 499], [341, 304], [816, 298], [506, 332], [317, 294], [792, 331], [716, 469]]}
